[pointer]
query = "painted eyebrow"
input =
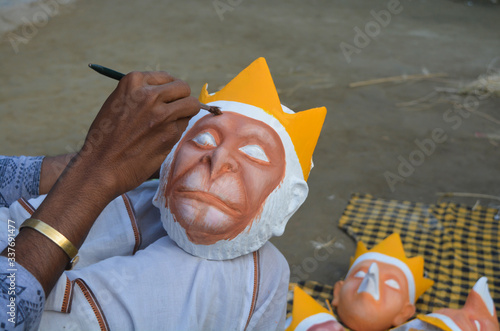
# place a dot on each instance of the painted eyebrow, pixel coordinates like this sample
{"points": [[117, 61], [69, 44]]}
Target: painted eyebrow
{"points": [[264, 141], [248, 131]]}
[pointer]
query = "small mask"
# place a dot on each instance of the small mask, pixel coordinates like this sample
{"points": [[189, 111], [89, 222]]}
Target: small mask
{"points": [[381, 287]]}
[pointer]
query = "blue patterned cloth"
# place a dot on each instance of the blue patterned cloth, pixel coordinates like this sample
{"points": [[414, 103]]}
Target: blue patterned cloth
{"points": [[21, 297], [19, 177]]}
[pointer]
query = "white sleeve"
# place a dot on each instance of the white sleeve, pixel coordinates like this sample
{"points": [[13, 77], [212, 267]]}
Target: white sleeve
{"points": [[270, 310]]}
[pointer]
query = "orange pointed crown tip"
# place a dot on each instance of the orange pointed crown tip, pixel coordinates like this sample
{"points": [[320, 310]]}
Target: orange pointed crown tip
{"points": [[304, 306], [393, 246], [254, 86]]}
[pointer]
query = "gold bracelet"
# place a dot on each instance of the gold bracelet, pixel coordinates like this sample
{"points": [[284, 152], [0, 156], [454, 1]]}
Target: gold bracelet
{"points": [[54, 235]]}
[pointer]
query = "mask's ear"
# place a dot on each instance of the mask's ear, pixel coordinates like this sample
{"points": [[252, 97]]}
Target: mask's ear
{"points": [[299, 193], [336, 293], [406, 312], [292, 200]]}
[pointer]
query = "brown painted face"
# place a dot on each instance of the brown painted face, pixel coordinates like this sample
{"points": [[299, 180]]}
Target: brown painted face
{"points": [[360, 310], [222, 172]]}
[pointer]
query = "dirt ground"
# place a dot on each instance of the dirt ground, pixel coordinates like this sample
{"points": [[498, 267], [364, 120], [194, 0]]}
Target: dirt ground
{"points": [[314, 49]]}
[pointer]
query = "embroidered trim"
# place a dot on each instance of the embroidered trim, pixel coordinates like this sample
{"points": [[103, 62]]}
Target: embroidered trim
{"points": [[256, 281], [67, 298], [26, 205], [133, 221], [94, 304]]}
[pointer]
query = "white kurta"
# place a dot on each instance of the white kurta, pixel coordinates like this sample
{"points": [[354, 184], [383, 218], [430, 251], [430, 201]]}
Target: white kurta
{"points": [[160, 287]]}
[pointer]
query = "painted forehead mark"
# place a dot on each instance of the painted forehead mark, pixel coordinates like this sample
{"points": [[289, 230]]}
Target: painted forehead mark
{"points": [[256, 130]]}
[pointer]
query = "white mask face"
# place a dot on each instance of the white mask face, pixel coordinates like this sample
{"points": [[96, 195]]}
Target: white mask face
{"points": [[231, 183]]}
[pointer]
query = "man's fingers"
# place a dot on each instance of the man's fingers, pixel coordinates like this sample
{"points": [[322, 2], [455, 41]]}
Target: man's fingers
{"points": [[158, 77], [173, 111], [149, 78], [182, 124], [172, 91], [171, 133], [176, 129]]}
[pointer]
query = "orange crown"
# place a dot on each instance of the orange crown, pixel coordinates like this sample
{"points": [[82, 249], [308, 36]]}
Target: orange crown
{"points": [[304, 306], [254, 86], [393, 247]]}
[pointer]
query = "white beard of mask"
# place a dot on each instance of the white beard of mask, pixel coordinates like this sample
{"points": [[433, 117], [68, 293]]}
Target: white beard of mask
{"points": [[277, 209]]}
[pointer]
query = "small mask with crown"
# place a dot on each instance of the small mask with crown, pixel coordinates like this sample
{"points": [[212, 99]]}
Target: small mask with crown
{"points": [[478, 314], [381, 287], [234, 180]]}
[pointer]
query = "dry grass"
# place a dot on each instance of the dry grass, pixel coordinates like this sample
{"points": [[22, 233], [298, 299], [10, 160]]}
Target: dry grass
{"points": [[484, 85]]}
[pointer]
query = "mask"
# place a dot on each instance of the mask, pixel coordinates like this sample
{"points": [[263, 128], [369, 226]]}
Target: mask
{"points": [[234, 180]]}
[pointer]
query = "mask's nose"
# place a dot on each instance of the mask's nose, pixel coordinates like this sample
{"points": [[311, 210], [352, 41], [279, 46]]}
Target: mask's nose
{"points": [[221, 161], [370, 282]]}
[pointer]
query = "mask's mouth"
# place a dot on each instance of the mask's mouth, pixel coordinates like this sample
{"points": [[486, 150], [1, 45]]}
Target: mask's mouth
{"points": [[208, 198]]}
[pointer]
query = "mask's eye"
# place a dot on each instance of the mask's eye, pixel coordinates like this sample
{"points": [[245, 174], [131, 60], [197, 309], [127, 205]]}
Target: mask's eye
{"points": [[392, 283], [360, 274], [205, 139], [255, 151]]}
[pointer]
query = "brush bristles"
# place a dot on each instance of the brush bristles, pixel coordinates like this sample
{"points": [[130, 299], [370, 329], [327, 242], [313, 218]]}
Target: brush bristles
{"points": [[212, 109], [215, 110]]}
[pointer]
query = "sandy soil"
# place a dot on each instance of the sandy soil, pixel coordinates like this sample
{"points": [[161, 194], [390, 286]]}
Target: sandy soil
{"points": [[49, 96]]}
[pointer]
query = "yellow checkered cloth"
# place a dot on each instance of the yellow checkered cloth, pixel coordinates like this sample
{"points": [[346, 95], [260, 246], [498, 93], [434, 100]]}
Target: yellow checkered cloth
{"points": [[459, 244]]}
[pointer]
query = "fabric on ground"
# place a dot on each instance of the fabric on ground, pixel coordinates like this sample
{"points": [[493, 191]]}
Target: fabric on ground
{"points": [[459, 243]]}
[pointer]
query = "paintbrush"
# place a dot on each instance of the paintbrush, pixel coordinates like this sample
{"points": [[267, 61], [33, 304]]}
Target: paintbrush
{"points": [[118, 75]]}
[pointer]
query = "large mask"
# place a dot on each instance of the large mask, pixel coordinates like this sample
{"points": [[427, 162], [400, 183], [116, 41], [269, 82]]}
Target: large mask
{"points": [[234, 180], [381, 287]]}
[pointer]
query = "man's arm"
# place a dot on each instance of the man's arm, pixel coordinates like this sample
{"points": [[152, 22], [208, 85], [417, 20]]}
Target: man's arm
{"points": [[52, 168], [131, 136], [129, 139]]}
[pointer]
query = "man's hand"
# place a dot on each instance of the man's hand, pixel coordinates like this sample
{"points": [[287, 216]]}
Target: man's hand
{"points": [[136, 128], [132, 134]]}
